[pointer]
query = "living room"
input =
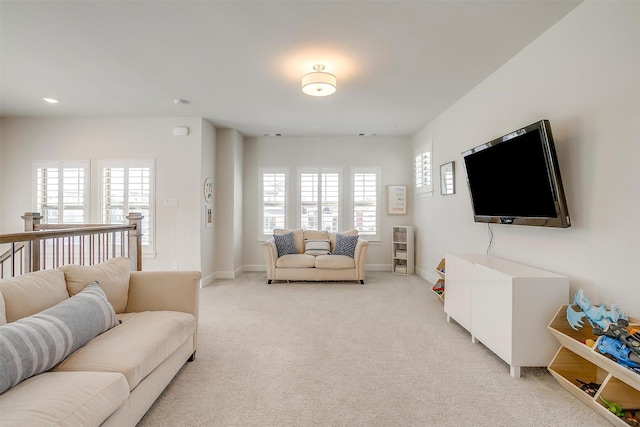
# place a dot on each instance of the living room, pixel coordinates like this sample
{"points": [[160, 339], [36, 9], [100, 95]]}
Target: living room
{"points": [[582, 74], [583, 81]]}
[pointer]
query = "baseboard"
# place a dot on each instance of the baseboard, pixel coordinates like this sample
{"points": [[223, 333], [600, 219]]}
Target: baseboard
{"points": [[229, 274], [263, 268], [206, 281], [427, 275], [377, 267]]}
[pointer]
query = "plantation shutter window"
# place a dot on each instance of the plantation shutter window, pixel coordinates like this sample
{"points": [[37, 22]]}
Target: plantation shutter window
{"points": [[274, 200], [127, 187], [320, 199], [61, 191], [365, 202], [423, 171]]}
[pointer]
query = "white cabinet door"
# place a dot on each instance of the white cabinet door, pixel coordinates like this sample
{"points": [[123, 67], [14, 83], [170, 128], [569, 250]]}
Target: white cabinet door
{"points": [[491, 310], [457, 302]]}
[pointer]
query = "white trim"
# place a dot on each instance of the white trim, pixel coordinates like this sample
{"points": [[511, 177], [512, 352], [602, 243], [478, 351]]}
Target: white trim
{"points": [[377, 170], [127, 164], [272, 170], [61, 165], [319, 171], [424, 188]]}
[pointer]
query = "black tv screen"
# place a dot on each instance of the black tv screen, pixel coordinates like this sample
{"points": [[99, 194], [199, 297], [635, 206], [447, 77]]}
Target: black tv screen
{"points": [[515, 179]]}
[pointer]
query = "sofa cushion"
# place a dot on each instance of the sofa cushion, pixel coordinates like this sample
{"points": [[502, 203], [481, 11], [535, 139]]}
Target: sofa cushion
{"points": [[332, 236], [285, 244], [316, 247], [112, 276], [296, 261], [3, 314], [64, 398], [334, 262], [38, 342], [297, 237], [31, 293], [345, 245], [136, 347], [315, 235]]}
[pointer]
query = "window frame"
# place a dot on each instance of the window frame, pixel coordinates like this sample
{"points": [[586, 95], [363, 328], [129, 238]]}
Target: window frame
{"points": [[261, 219], [147, 249], [377, 171], [340, 202], [85, 165], [425, 186]]}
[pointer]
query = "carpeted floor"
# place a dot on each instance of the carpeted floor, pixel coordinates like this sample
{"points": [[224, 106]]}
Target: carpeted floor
{"points": [[342, 354]]}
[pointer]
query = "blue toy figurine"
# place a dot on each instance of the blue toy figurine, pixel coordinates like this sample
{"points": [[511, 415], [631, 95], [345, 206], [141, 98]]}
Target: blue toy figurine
{"points": [[617, 342], [598, 316]]}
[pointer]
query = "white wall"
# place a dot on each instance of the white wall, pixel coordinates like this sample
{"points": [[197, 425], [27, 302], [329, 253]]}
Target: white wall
{"points": [[391, 154], [207, 235], [584, 76], [178, 164], [228, 213]]}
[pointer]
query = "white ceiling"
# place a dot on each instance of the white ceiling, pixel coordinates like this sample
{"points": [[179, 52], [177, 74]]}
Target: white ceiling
{"points": [[240, 63]]}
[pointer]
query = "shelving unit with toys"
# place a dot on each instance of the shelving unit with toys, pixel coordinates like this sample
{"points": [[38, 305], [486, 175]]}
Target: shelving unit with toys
{"points": [[438, 288], [577, 364]]}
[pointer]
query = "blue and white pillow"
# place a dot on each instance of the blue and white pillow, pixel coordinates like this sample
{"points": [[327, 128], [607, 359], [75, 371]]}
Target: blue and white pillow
{"points": [[37, 343], [285, 244], [345, 245]]}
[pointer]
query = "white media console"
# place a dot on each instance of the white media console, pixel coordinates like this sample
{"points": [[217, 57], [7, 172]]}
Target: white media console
{"points": [[506, 306]]}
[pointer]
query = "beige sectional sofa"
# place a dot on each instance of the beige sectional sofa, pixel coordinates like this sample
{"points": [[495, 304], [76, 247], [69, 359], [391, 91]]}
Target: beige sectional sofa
{"points": [[150, 330], [304, 264]]}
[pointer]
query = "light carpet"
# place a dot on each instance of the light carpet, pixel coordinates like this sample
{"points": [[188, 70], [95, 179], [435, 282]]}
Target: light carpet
{"points": [[343, 354]]}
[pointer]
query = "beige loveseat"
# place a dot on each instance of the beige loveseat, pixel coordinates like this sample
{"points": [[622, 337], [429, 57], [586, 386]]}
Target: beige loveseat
{"points": [[313, 265], [150, 321]]}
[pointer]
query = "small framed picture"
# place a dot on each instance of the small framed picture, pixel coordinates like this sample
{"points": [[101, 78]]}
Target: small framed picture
{"points": [[447, 179], [208, 216], [397, 199]]}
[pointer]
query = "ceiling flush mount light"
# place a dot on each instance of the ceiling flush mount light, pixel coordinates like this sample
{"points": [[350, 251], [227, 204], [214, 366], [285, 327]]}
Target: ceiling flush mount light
{"points": [[318, 83], [50, 100]]}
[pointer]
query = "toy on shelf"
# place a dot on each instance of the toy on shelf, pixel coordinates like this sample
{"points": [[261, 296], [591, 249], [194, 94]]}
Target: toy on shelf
{"points": [[617, 351], [598, 316], [590, 388], [438, 288], [614, 408], [617, 341]]}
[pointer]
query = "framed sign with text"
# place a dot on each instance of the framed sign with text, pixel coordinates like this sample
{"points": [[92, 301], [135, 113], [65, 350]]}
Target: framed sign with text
{"points": [[397, 199]]}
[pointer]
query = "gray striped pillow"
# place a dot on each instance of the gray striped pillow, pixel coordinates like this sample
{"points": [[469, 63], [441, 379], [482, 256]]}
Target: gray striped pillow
{"points": [[316, 247], [38, 342]]}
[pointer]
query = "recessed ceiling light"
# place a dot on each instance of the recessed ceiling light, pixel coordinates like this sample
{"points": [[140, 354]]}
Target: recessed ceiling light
{"points": [[50, 100], [179, 101]]}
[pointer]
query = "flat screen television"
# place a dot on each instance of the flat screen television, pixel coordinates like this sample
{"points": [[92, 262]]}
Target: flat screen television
{"points": [[515, 179]]}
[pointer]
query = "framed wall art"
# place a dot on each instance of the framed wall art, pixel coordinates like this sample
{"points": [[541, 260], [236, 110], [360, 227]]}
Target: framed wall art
{"points": [[447, 179], [397, 199]]}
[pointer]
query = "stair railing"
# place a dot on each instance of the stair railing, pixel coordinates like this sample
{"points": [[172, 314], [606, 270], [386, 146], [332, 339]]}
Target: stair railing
{"points": [[45, 246]]}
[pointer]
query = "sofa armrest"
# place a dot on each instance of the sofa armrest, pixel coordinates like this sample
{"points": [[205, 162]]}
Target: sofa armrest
{"points": [[360, 257], [164, 290], [270, 257]]}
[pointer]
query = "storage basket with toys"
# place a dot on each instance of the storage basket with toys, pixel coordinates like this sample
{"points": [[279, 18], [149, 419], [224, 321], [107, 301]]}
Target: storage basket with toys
{"points": [[599, 358]]}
